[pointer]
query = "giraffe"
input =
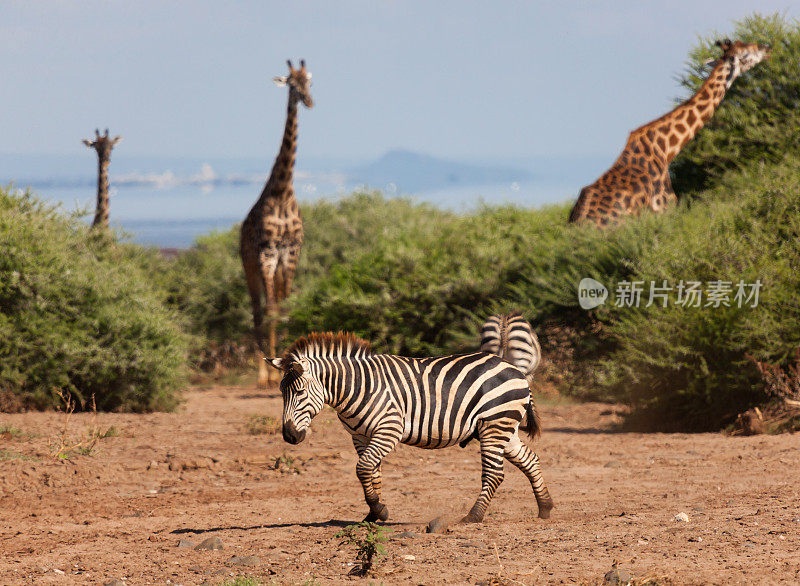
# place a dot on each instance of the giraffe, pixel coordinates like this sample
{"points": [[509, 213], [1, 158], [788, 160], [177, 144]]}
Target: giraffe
{"points": [[272, 233], [639, 178], [103, 145]]}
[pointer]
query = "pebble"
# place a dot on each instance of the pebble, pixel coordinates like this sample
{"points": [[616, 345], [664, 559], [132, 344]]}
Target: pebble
{"points": [[249, 560], [437, 525], [404, 535], [57, 571], [210, 543], [612, 464], [474, 544], [681, 517], [115, 582], [617, 576], [695, 539], [409, 558], [185, 543]]}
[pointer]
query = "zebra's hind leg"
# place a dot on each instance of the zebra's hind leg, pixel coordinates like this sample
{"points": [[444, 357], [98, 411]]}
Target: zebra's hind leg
{"points": [[378, 447], [492, 439], [526, 460]]}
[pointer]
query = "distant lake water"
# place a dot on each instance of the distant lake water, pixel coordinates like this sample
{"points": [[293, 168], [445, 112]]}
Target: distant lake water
{"points": [[175, 217], [171, 209]]}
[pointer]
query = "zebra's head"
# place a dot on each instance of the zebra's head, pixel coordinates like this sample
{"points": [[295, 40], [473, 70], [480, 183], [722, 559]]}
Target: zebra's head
{"points": [[303, 397]]}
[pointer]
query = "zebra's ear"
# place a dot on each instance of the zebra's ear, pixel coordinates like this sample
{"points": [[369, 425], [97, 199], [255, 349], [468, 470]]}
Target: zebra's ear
{"points": [[276, 362], [297, 368]]}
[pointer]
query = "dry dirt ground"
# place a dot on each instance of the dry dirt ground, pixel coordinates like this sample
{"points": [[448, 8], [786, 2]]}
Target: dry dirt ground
{"points": [[121, 511]]}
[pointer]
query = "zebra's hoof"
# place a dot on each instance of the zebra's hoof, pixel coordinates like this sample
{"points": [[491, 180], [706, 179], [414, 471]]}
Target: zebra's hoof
{"points": [[544, 510], [379, 513]]}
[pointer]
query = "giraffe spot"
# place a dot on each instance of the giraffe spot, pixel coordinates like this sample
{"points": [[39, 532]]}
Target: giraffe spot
{"points": [[673, 139], [650, 134], [681, 129], [704, 95], [627, 201], [606, 198], [662, 143]]}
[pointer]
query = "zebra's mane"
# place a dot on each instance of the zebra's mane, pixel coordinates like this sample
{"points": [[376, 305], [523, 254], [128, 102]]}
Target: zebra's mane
{"points": [[327, 344]]}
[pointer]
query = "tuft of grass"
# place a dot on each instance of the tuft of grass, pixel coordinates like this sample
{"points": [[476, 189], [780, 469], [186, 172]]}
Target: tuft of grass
{"points": [[263, 425], [9, 432], [368, 538], [7, 455]]}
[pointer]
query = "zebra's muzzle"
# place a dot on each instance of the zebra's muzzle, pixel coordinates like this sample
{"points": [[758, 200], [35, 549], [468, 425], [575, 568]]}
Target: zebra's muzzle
{"points": [[291, 435]]}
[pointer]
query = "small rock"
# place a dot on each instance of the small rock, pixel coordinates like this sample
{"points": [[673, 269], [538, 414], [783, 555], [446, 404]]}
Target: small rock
{"points": [[115, 582], [152, 465], [185, 543], [617, 576], [474, 544], [404, 535], [249, 561], [409, 558], [642, 542], [57, 571], [437, 525], [681, 517], [695, 539], [210, 543], [612, 464]]}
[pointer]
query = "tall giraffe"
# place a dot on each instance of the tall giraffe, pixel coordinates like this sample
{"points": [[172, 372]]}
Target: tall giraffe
{"points": [[639, 178], [103, 145], [272, 233]]}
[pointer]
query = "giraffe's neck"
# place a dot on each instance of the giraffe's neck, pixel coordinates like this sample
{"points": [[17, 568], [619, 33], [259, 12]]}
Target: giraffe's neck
{"points": [[101, 211], [280, 180], [688, 118]]}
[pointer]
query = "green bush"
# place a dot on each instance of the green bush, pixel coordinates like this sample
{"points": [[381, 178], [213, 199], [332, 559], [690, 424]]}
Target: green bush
{"points": [[78, 314], [688, 367], [759, 118]]}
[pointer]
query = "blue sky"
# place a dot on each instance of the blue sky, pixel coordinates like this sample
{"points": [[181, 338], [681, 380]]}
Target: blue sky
{"points": [[456, 79]]}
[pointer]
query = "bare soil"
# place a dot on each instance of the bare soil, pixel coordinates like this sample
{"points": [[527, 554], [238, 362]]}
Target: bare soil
{"points": [[121, 511]]}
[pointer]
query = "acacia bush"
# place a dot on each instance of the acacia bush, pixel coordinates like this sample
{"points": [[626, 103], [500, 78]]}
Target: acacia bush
{"points": [[79, 314]]}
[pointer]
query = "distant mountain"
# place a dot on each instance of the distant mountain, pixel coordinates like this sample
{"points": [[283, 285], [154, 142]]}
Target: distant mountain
{"points": [[411, 172]]}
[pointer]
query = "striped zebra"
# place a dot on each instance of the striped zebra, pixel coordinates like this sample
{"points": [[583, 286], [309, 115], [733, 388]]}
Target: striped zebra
{"points": [[438, 402], [512, 338]]}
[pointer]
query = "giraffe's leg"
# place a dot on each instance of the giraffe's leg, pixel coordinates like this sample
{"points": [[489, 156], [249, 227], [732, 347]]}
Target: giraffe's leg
{"points": [[254, 288], [378, 446], [526, 460], [360, 443], [268, 266], [493, 440]]}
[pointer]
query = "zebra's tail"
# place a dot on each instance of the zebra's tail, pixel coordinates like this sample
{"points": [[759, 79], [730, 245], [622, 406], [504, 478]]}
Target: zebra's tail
{"points": [[534, 424]]}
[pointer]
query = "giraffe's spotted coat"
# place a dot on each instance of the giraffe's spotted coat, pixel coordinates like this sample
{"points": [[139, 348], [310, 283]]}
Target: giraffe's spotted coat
{"points": [[639, 179]]}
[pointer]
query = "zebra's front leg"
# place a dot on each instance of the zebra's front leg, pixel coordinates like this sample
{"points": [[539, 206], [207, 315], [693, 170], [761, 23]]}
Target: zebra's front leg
{"points": [[368, 469], [360, 443], [493, 441]]}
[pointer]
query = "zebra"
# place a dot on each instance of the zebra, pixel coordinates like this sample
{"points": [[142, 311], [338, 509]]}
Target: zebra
{"points": [[512, 338], [431, 403]]}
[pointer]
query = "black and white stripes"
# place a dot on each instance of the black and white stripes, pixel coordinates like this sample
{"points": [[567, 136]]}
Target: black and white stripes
{"points": [[512, 338], [432, 403]]}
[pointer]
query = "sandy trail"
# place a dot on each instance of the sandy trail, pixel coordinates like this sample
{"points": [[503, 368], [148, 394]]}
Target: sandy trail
{"points": [[121, 511]]}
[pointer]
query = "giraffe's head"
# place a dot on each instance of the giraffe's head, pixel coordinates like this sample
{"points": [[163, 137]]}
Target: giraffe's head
{"points": [[102, 143], [299, 82], [742, 56]]}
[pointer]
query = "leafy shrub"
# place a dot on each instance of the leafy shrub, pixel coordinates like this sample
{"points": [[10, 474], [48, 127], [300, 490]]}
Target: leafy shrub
{"points": [[78, 315], [759, 118]]}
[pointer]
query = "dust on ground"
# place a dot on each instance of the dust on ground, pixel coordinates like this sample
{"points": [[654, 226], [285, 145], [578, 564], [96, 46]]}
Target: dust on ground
{"points": [[135, 506]]}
